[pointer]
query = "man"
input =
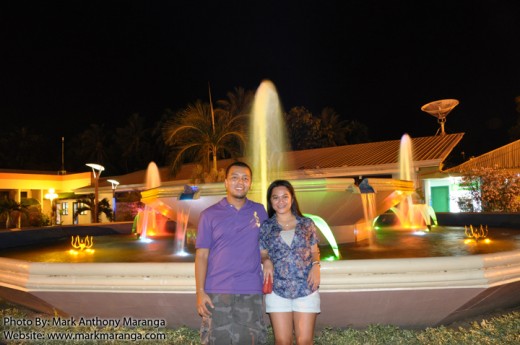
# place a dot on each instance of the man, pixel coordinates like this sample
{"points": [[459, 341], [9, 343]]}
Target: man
{"points": [[228, 270]]}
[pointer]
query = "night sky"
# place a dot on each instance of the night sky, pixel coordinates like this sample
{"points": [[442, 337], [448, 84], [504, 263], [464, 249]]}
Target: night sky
{"points": [[66, 64]]}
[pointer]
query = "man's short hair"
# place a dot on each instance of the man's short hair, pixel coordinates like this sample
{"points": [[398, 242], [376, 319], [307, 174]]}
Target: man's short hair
{"points": [[239, 164]]}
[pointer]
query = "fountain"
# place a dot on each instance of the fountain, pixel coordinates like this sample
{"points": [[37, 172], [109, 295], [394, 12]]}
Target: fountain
{"points": [[267, 154], [151, 223], [407, 292], [338, 201], [410, 214]]}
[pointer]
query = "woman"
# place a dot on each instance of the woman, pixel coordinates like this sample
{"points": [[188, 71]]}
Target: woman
{"points": [[291, 258]]}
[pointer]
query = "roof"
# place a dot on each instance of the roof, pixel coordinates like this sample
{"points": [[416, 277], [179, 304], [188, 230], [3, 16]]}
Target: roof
{"points": [[429, 149], [347, 160], [505, 157]]}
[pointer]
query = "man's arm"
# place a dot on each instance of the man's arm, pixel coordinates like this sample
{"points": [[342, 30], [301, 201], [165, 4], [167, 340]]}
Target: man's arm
{"points": [[201, 268]]}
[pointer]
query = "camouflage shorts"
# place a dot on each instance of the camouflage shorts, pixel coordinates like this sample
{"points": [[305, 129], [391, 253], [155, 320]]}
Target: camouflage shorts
{"points": [[236, 319]]}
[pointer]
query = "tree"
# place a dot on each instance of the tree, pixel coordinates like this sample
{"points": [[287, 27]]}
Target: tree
{"points": [[514, 131], [93, 144], [337, 132], [357, 132], [193, 135], [87, 204], [491, 190], [334, 129], [8, 206], [133, 144], [159, 153], [22, 148], [238, 103], [303, 129]]}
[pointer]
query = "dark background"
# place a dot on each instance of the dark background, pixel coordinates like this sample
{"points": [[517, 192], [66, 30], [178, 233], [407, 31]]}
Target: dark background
{"points": [[67, 64]]}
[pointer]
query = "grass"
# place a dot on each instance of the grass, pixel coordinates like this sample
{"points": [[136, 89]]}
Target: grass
{"points": [[501, 329]]}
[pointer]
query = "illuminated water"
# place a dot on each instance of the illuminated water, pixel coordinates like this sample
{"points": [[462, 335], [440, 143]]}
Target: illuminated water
{"points": [[268, 137], [441, 241], [107, 248]]}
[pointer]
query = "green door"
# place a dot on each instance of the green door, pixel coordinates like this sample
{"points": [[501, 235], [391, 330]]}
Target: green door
{"points": [[441, 198]]}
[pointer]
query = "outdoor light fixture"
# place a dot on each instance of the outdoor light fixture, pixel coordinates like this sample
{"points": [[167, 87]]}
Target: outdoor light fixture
{"points": [[96, 171], [96, 167], [80, 245], [476, 233], [114, 183], [51, 196]]}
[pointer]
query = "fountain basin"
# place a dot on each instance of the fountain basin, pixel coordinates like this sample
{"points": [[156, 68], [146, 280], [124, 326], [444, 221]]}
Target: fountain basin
{"points": [[410, 293], [337, 200]]}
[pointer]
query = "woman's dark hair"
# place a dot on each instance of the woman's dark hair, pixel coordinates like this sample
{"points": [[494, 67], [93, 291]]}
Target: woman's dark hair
{"points": [[295, 208]]}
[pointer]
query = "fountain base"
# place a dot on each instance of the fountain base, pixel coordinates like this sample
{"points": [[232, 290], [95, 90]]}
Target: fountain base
{"points": [[410, 293]]}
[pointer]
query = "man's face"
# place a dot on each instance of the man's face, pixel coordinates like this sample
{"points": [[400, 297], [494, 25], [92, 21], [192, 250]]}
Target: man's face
{"points": [[238, 182]]}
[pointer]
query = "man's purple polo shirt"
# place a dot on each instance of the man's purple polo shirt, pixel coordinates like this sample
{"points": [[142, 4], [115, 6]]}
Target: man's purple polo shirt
{"points": [[232, 236]]}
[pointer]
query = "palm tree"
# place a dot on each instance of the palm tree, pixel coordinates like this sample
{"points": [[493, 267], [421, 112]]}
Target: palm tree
{"points": [[338, 132], [93, 145], [7, 206], [159, 151], [133, 144], [334, 129], [303, 129], [238, 102], [22, 148], [193, 134], [87, 204]]}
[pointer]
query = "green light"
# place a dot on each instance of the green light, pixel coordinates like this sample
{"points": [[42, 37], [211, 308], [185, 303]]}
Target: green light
{"points": [[330, 258], [326, 231]]}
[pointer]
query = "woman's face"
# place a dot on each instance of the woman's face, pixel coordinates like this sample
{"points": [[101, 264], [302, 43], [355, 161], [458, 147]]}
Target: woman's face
{"points": [[281, 200]]}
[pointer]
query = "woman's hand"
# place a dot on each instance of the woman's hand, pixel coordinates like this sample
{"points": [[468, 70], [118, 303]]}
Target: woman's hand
{"points": [[267, 265], [268, 269], [313, 280]]}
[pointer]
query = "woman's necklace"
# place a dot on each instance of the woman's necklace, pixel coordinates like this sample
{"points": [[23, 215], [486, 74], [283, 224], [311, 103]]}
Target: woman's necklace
{"points": [[285, 224]]}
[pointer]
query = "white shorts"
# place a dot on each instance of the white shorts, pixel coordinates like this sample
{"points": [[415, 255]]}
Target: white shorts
{"points": [[307, 304]]}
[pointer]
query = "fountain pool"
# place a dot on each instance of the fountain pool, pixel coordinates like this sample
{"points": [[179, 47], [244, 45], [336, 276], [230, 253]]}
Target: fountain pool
{"points": [[441, 241], [408, 292]]}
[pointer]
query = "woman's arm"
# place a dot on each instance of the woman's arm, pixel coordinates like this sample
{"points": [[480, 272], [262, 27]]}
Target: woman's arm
{"points": [[267, 265], [314, 275]]}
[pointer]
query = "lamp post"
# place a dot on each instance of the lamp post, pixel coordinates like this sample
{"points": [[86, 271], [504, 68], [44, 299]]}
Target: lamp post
{"points": [[51, 196], [96, 172], [114, 183]]}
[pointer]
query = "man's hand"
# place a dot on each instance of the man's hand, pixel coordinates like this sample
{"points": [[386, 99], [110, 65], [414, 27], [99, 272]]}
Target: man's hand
{"points": [[203, 302]]}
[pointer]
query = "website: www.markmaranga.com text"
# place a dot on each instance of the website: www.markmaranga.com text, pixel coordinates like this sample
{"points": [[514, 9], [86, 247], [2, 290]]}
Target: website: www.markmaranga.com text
{"points": [[77, 336], [42, 331]]}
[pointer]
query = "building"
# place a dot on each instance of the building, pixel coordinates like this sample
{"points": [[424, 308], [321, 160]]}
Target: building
{"points": [[375, 159], [44, 189]]}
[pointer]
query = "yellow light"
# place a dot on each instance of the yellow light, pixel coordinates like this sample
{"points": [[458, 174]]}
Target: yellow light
{"points": [[476, 233], [82, 244], [82, 252], [51, 195]]}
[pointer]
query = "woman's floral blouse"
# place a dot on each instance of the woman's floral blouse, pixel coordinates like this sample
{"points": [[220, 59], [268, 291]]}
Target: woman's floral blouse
{"points": [[292, 264]]}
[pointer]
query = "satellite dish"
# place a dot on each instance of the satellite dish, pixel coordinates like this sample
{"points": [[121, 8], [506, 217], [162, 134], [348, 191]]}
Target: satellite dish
{"points": [[440, 109]]}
